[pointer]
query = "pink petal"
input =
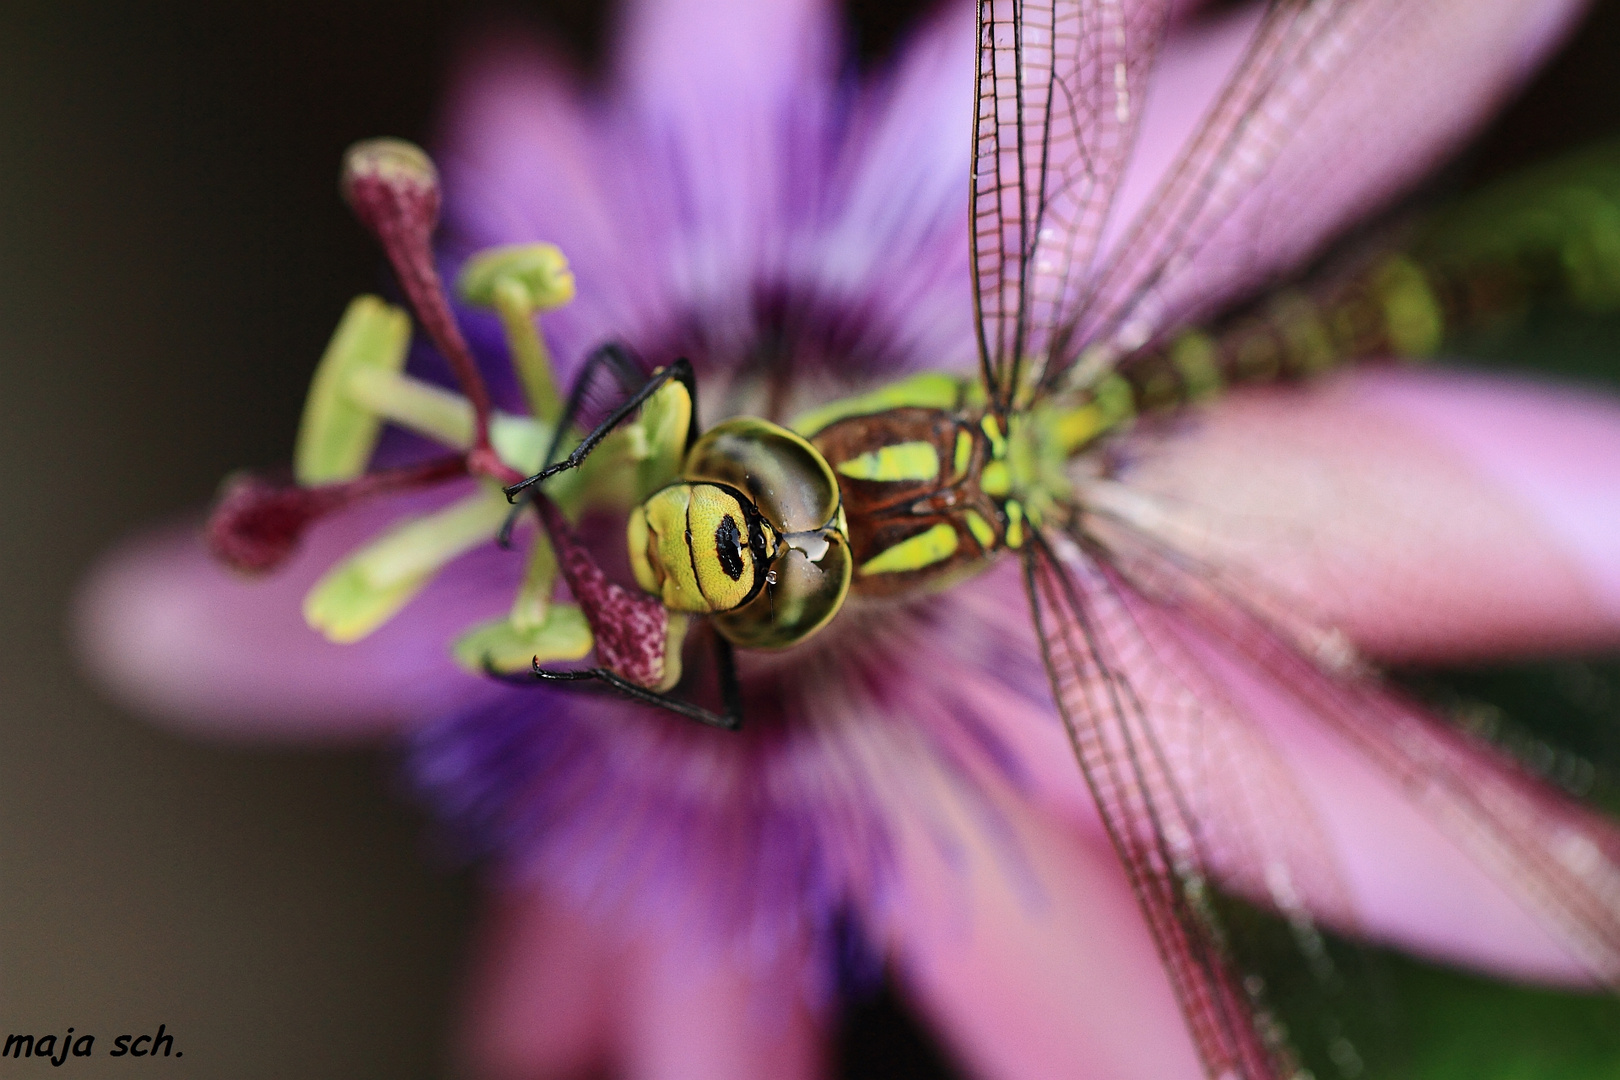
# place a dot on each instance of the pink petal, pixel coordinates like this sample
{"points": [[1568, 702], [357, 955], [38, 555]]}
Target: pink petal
{"points": [[691, 1015], [1556, 452], [1030, 954], [1410, 883], [171, 632], [1431, 515], [542, 992], [1408, 83]]}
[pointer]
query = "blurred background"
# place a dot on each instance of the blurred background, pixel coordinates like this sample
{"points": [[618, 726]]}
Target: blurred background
{"points": [[173, 256]]}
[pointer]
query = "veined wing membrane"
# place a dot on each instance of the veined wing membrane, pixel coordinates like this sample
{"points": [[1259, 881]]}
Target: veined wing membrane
{"points": [[1147, 809], [1058, 97], [1232, 148], [1561, 858], [1334, 107]]}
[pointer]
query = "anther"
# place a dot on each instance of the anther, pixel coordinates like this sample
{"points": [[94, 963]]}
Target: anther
{"points": [[338, 433], [519, 281], [394, 191]]}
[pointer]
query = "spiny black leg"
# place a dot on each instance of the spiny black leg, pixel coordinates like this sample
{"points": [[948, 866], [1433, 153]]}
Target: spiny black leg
{"points": [[725, 666], [612, 354], [731, 720], [498, 675], [680, 370], [504, 537]]}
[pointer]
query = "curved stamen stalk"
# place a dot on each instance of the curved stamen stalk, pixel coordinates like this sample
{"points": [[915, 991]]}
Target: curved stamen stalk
{"points": [[394, 190]]}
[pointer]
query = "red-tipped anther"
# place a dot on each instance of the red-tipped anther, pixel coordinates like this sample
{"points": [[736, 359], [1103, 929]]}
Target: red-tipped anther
{"points": [[258, 521], [394, 190]]}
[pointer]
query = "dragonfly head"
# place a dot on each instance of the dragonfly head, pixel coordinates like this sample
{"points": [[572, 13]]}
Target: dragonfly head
{"points": [[752, 534]]}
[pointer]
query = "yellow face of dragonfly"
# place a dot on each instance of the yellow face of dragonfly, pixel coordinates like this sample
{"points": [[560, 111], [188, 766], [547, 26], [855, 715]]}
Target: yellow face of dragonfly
{"points": [[752, 534], [701, 548]]}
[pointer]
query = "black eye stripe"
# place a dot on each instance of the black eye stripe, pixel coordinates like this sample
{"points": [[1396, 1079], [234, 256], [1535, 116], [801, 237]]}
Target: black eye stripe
{"points": [[728, 547]]}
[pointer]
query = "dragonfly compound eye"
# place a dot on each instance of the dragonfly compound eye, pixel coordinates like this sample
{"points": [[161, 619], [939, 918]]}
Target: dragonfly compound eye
{"points": [[753, 535]]}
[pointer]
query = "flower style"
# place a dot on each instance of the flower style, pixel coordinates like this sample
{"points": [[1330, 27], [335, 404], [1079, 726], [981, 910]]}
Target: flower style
{"points": [[672, 900]]}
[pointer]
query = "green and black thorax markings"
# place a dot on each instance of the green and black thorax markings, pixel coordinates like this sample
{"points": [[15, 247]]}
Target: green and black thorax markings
{"points": [[932, 484]]}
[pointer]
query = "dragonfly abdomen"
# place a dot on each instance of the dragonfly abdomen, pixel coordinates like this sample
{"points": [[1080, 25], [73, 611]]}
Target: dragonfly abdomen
{"points": [[1395, 308], [1550, 235]]}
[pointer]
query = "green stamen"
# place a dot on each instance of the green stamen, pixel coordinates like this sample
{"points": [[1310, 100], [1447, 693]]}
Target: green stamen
{"points": [[518, 282], [440, 414], [498, 644], [445, 416], [532, 605], [365, 590], [338, 433]]}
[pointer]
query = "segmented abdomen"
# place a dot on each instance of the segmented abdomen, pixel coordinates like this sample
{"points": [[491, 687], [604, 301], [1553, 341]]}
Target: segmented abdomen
{"points": [[1548, 234]]}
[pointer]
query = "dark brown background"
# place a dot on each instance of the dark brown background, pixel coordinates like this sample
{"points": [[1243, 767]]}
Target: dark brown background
{"points": [[173, 256]]}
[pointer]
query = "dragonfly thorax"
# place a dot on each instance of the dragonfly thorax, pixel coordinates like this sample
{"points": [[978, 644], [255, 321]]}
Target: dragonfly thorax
{"points": [[934, 491]]}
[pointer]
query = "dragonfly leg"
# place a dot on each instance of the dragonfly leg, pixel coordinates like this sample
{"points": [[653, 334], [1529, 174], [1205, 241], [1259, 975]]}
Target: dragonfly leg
{"points": [[620, 360], [612, 355], [729, 720], [680, 371]]}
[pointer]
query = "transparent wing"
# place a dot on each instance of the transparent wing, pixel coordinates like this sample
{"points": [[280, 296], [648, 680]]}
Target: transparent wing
{"points": [[1558, 856], [1059, 88], [1194, 796], [1145, 784], [1334, 106]]}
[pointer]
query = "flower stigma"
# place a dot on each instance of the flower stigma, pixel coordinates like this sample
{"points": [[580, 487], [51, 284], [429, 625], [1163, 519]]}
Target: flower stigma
{"points": [[360, 387]]}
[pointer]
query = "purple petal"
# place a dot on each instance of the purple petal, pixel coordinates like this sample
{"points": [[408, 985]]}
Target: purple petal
{"points": [[895, 240], [525, 158], [766, 836], [173, 633], [678, 196], [727, 104], [716, 216]]}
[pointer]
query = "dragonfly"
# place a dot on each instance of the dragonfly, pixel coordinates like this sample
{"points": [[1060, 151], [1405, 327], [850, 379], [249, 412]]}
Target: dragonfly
{"points": [[763, 529], [761, 532]]}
